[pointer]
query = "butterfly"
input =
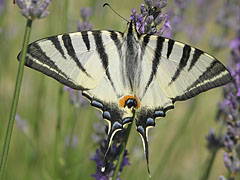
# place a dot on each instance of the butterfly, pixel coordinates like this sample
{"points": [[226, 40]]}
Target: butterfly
{"points": [[127, 75]]}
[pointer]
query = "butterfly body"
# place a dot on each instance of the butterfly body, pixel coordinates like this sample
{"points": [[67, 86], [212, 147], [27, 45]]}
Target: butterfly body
{"points": [[123, 74]]}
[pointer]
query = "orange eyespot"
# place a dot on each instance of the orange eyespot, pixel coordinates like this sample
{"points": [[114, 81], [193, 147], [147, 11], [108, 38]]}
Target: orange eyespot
{"points": [[123, 100]]}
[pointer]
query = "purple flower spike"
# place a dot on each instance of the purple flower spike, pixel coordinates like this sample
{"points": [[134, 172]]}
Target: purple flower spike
{"points": [[75, 97], [150, 17], [33, 9], [149, 2], [2, 5], [86, 13], [110, 161], [149, 20], [157, 3], [85, 25], [229, 108], [143, 9], [22, 124], [74, 141]]}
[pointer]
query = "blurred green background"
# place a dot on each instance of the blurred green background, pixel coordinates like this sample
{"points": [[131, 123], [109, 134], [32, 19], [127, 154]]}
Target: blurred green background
{"points": [[177, 143]]}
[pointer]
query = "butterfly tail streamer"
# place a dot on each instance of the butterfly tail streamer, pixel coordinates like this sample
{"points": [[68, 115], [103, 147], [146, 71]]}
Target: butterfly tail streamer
{"points": [[142, 132]]}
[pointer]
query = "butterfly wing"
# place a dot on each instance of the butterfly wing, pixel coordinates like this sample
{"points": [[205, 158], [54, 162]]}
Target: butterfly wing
{"points": [[72, 59], [84, 61], [172, 71]]}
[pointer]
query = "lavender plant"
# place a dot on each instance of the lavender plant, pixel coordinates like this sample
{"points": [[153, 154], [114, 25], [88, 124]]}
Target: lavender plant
{"points": [[109, 161], [229, 112], [31, 9], [85, 24], [229, 109], [150, 17]]}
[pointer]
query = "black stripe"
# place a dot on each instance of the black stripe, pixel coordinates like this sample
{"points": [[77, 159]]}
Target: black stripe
{"points": [[130, 27], [196, 55], [37, 53], [146, 39], [86, 39], [87, 96], [212, 71], [156, 61], [183, 62], [71, 52], [102, 54], [117, 42], [100, 48], [170, 47], [57, 45]]}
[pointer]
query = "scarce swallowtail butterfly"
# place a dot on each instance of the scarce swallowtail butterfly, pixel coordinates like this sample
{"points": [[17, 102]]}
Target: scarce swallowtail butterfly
{"points": [[123, 74]]}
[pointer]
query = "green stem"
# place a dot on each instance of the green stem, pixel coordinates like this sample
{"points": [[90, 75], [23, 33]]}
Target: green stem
{"points": [[15, 99], [39, 109], [124, 144], [65, 16], [75, 115], [209, 164], [59, 101], [58, 129]]}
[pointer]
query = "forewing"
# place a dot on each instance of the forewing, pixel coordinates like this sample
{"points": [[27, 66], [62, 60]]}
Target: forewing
{"points": [[177, 72], [72, 59]]}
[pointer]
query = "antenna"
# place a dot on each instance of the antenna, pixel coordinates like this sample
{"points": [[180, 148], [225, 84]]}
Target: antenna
{"points": [[106, 4]]}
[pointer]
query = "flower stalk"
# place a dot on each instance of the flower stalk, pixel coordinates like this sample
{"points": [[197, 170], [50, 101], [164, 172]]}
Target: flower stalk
{"points": [[15, 99], [59, 99], [124, 144]]}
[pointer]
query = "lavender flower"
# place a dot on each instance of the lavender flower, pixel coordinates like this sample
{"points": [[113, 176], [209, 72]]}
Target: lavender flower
{"points": [[229, 111], [85, 14], [99, 130], [75, 97], [108, 161], [74, 141], [229, 108], [2, 5], [214, 141], [228, 18], [150, 17], [33, 9], [22, 124], [176, 16]]}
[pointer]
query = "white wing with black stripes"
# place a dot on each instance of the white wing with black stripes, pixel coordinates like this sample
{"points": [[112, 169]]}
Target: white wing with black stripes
{"points": [[73, 58], [172, 71], [120, 73]]}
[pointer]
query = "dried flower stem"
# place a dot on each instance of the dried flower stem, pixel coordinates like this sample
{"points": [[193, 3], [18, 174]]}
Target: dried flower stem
{"points": [[124, 144], [15, 99]]}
